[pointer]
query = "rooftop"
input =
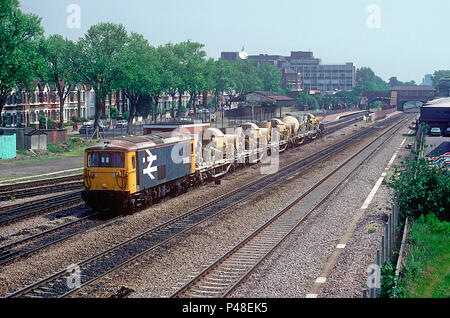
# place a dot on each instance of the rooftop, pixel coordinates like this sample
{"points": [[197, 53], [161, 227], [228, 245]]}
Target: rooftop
{"points": [[439, 102], [412, 88]]}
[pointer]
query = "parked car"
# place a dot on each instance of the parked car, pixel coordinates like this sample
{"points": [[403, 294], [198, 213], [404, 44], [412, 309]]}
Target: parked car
{"points": [[435, 131], [447, 131], [90, 128], [121, 124], [86, 127]]}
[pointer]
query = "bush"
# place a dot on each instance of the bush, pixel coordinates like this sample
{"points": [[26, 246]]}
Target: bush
{"points": [[389, 282], [422, 190], [74, 140], [75, 119], [46, 122]]}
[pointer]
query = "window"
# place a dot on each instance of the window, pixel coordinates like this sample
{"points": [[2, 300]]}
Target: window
{"points": [[103, 159], [133, 162]]}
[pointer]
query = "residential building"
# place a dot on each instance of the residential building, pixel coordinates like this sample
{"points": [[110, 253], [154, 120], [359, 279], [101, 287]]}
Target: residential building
{"points": [[23, 106]]}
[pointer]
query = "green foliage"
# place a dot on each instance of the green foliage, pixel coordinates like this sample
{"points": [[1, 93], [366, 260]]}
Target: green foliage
{"points": [[371, 229], [74, 140], [95, 59], [75, 119], [444, 86], [20, 34], [389, 282], [139, 68], [304, 99], [366, 80], [72, 144], [246, 77], [438, 76], [46, 123], [113, 112], [393, 81], [270, 76], [421, 189], [57, 69], [426, 271]]}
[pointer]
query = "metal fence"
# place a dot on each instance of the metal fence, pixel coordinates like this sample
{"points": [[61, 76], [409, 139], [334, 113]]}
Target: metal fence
{"points": [[389, 242]]}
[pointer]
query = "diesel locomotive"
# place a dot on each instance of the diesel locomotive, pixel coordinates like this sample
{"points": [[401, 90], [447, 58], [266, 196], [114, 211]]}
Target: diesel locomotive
{"points": [[124, 174]]}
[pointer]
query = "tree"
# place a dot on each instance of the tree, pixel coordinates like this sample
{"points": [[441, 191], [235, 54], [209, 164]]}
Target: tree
{"points": [[366, 80], [19, 58], [57, 69], [192, 69], [139, 72], [95, 59], [223, 78], [246, 77], [438, 75], [444, 86], [170, 77], [304, 99], [270, 76], [393, 81]]}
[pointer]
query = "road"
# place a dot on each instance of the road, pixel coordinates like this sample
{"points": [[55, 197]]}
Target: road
{"points": [[437, 145]]}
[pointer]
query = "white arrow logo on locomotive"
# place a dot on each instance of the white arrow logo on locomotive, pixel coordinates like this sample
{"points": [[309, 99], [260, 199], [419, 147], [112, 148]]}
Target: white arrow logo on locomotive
{"points": [[148, 171]]}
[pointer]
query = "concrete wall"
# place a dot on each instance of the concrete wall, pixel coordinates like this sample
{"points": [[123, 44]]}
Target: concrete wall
{"points": [[36, 142]]}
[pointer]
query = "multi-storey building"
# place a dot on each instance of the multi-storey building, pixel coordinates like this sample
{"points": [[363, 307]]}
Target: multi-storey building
{"points": [[322, 77], [302, 69], [427, 80]]}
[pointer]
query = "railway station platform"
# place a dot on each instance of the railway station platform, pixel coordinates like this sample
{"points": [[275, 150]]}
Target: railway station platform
{"points": [[338, 116]]}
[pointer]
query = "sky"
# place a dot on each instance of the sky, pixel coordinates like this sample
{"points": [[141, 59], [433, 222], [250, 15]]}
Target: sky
{"points": [[402, 38]]}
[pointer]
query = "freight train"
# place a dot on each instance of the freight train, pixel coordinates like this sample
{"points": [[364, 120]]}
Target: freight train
{"points": [[128, 173]]}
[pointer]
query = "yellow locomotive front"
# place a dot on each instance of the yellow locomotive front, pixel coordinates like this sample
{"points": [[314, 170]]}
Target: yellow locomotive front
{"points": [[109, 176]]}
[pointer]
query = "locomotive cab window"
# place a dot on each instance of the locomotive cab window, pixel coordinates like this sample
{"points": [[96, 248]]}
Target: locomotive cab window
{"points": [[106, 159]]}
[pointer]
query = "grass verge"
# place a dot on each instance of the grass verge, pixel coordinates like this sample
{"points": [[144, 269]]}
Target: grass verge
{"points": [[427, 270], [74, 147]]}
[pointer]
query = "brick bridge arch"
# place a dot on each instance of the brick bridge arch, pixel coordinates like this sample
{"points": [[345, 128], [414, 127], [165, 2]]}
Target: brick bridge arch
{"points": [[399, 95]]}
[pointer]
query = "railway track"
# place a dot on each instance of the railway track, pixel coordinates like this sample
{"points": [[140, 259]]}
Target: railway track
{"points": [[38, 183], [225, 274], [34, 243], [39, 190], [112, 259], [42, 206]]}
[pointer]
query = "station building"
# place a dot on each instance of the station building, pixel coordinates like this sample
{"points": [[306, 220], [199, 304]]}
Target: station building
{"points": [[436, 113]]}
